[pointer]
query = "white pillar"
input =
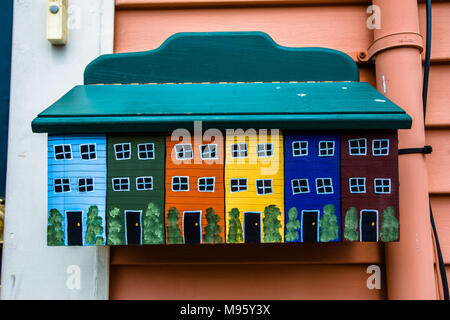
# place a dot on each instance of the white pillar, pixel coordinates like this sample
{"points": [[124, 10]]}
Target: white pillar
{"points": [[41, 74]]}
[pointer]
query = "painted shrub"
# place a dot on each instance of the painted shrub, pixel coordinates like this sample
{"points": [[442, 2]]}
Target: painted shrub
{"points": [[312, 187], [254, 195], [135, 197], [369, 162], [194, 191], [76, 190]]}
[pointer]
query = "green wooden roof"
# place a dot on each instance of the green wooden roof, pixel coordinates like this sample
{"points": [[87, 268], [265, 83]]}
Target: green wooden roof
{"points": [[165, 107]]}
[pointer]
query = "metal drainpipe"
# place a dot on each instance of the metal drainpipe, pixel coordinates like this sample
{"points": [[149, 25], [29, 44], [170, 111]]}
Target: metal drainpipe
{"points": [[397, 50]]}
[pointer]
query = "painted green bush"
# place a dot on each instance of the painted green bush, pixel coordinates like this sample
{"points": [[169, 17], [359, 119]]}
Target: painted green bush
{"points": [[329, 228], [153, 225], [55, 232], [272, 224], [116, 227], [212, 229], [390, 227], [351, 225], [292, 226], [94, 228], [235, 234], [173, 230]]}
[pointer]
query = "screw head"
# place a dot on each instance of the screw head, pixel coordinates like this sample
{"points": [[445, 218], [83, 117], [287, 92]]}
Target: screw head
{"points": [[54, 8]]}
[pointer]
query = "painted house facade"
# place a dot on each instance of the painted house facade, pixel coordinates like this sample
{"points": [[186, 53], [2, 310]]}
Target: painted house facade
{"points": [[76, 190], [194, 191], [135, 196], [370, 186], [312, 187], [254, 194]]}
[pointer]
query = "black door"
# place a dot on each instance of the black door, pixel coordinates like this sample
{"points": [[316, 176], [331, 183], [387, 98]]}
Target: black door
{"points": [[191, 227], [74, 228], [133, 219], [369, 225], [310, 228], [252, 227]]}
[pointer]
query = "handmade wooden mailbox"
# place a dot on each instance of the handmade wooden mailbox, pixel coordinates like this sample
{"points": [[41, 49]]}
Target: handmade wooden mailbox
{"points": [[222, 138]]}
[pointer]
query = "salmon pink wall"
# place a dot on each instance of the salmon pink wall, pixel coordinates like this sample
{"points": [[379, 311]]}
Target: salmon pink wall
{"points": [[339, 269]]}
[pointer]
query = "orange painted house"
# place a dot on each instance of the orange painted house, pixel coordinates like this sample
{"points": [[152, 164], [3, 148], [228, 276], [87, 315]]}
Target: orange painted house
{"points": [[194, 186]]}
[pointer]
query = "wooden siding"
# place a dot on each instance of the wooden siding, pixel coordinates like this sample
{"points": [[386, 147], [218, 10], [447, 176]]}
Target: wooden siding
{"points": [[74, 169], [254, 168], [339, 26], [132, 168], [194, 200]]}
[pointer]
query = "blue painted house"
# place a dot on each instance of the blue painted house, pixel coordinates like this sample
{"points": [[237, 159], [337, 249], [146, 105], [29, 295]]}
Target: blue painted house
{"points": [[312, 187], [76, 189]]}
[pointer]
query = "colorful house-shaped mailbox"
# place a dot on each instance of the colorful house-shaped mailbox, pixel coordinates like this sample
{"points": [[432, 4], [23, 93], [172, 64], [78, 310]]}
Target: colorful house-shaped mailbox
{"points": [[112, 179]]}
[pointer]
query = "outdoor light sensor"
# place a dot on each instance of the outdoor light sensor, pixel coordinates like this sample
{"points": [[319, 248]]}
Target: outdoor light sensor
{"points": [[57, 21]]}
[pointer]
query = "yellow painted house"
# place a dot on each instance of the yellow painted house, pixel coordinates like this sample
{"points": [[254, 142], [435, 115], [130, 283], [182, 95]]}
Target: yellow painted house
{"points": [[254, 186]]}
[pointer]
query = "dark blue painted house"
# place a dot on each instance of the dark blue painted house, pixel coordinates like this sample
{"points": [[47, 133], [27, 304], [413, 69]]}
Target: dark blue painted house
{"points": [[312, 187]]}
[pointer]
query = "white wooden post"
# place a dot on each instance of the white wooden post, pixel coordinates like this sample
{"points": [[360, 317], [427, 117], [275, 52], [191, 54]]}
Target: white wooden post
{"points": [[42, 73]]}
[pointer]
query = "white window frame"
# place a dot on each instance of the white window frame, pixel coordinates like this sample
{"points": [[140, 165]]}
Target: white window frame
{"points": [[323, 186], [359, 153], [239, 150], [271, 186], [326, 149], [184, 151], [64, 152], [89, 152], [144, 177], [357, 185], [206, 184], [146, 151], [93, 185], [187, 177], [246, 185], [264, 150], [300, 188], [380, 148], [122, 144], [209, 151], [383, 186], [300, 149], [62, 186], [121, 190]]}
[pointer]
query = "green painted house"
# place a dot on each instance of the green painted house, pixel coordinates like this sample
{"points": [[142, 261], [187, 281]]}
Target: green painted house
{"points": [[135, 189]]}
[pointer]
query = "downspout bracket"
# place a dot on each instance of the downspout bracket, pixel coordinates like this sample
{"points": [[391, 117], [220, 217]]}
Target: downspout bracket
{"points": [[395, 40]]}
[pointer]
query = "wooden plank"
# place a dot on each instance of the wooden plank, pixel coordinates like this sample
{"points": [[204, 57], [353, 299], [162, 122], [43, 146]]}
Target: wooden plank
{"points": [[267, 253], [438, 115], [247, 282], [152, 4], [440, 50], [440, 205], [331, 27], [439, 161], [222, 57]]}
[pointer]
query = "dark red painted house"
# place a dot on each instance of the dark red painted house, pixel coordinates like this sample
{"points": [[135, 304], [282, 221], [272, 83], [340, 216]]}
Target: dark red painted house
{"points": [[369, 186]]}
